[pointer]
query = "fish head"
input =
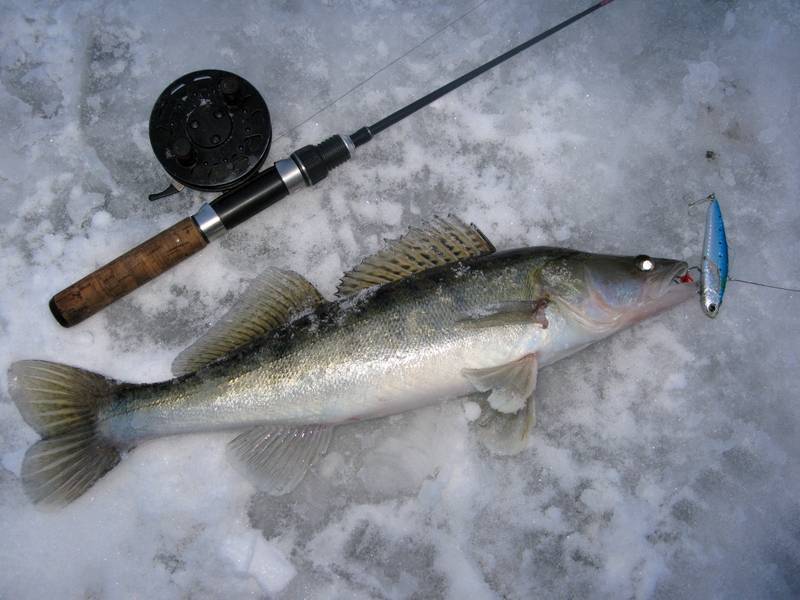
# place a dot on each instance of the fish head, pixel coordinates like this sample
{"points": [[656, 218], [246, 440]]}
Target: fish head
{"points": [[606, 293]]}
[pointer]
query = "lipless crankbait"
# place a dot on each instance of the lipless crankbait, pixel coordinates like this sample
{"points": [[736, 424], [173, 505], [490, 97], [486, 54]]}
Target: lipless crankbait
{"points": [[714, 270]]}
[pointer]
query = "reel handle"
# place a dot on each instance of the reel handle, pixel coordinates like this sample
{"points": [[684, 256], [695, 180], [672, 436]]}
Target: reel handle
{"points": [[124, 274]]}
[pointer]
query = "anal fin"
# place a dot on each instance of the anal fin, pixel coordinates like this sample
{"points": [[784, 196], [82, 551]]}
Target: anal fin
{"points": [[276, 457]]}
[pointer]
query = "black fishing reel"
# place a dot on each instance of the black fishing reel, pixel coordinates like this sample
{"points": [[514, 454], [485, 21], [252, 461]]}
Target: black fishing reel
{"points": [[210, 130]]}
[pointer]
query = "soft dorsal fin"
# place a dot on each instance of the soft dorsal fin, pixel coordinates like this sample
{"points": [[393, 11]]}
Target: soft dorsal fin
{"points": [[273, 299], [436, 243]]}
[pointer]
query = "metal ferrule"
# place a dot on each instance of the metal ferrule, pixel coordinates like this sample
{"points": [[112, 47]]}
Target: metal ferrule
{"points": [[302, 169], [351, 147], [290, 174], [209, 223]]}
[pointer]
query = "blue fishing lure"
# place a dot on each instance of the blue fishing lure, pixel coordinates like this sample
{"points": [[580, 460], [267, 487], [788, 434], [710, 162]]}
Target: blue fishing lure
{"points": [[714, 270]]}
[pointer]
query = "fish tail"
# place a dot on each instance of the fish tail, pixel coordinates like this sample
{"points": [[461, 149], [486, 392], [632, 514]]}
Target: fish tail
{"points": [[62, 404]]}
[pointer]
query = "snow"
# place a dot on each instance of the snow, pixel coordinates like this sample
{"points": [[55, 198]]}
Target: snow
{"points": [[664, 462]]}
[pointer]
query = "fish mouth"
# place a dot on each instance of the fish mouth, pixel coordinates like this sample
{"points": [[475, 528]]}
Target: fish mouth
{"points": [[677, 276], [676, 285], [670, 288]]}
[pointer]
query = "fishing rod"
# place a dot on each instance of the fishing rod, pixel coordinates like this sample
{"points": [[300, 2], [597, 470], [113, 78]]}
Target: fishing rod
{"points": [[236, 108]]}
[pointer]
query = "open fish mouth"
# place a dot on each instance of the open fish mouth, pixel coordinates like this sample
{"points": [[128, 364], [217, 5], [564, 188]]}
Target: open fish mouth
{"points": [[676, 285], [679, 275]]}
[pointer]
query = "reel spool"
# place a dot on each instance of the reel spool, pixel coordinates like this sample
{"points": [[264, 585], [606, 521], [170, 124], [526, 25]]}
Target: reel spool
{"points": [[210, 130]]}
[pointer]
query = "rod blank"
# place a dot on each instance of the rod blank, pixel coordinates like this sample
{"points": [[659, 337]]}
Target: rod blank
{"points": [[413, 107]]}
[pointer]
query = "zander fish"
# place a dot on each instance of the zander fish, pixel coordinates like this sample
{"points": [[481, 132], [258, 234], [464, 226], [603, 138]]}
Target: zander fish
{"points": [[437, 314]]}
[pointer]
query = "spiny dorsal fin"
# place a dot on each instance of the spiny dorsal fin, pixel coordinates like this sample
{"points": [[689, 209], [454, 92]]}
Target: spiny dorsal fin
{"points": [[436, 243], [273, 299]]}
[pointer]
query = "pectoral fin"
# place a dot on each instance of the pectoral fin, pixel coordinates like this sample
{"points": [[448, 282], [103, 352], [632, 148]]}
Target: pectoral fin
{"points": [[276, 458], [509, 409], [509, 313]]}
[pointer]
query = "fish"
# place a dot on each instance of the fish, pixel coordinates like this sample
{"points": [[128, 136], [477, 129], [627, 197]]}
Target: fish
{"points": [[714, 268], [437, 314]]}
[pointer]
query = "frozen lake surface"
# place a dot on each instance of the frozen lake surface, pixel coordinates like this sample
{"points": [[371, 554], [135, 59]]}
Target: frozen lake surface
{"points": [[665, 460]]}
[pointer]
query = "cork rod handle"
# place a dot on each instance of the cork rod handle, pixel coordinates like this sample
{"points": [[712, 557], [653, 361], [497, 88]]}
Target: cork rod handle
{"points": [[124, 274]]}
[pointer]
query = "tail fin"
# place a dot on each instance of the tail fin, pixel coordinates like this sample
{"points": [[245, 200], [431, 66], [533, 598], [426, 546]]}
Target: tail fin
{"points": [[61, 403]]}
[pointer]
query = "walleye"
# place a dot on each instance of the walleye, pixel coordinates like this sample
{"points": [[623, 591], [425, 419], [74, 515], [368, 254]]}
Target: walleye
{"points": [[437, 314]]}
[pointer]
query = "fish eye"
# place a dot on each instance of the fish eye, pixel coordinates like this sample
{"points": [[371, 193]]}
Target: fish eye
{"points": [[645, 263]]}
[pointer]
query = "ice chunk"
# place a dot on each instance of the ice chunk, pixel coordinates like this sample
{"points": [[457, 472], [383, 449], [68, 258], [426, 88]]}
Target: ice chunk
{"points": [[730, 21], [238, 551], [12, 461], [701, 81], [270, 567], [250, 554], [101, 219], [472, 410]]}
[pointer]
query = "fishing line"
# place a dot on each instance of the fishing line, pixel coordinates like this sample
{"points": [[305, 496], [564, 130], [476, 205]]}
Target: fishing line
{"points": [[766, 285], [383, 68]]}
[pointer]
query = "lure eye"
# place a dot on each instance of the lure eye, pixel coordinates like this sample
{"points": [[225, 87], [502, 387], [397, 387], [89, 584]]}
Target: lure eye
{"points": [[645, 263]]}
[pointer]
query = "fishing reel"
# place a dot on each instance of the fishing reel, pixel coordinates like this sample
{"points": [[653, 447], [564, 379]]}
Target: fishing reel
{"points": [[210, 130]]}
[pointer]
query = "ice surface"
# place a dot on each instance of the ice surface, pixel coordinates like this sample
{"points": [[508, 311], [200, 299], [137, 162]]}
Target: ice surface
{"points": [[665, 461]]}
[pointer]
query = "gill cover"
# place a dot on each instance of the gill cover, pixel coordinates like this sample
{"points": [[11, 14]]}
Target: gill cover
{"points": [[604, 291]]}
